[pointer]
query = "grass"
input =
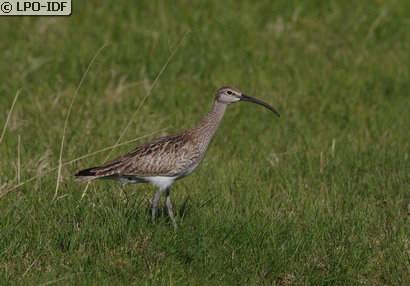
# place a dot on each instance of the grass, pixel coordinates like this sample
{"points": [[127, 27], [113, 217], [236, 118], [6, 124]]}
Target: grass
{"points": [[319, 196]]}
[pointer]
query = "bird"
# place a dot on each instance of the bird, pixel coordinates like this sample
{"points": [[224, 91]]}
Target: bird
{"points": [[167, 159]]}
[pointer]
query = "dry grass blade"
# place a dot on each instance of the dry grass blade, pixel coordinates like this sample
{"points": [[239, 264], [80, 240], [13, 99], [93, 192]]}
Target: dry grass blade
{"points": [[374, 26], [114, 146], [148, 93], [66, 120], [3, 188], [18, 159], [31, 265], [4, 191], [8, 116]]}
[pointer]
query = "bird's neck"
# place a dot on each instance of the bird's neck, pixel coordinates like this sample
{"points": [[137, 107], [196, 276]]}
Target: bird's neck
{"points": [[202, 134], [213, 118]]}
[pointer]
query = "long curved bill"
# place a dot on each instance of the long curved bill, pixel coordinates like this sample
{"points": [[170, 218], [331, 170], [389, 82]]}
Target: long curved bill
{"points": [[257, 101]]}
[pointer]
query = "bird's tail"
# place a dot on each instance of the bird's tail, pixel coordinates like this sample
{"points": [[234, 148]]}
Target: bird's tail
{"points": [[86, 175]]}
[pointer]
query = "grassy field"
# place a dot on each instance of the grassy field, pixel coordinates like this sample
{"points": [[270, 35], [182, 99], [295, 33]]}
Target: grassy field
{"points": [[320, 196]]}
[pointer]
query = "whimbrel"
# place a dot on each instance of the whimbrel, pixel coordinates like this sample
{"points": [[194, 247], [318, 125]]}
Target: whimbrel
{"points": [[166, 159]]}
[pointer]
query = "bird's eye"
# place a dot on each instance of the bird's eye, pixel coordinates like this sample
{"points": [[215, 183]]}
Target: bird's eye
{"points": [[229, 92]]}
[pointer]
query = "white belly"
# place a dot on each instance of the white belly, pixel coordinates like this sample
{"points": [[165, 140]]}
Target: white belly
{"points": [[158, 181]]}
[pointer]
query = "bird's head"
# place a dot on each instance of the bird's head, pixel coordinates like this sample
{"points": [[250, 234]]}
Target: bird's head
{"points": [[228, 95]]}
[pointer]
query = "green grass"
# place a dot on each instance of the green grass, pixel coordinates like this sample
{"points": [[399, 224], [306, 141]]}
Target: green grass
{"points": [[319, 196]]}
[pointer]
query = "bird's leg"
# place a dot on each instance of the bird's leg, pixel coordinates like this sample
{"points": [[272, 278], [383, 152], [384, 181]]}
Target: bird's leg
{"points": [[155, 202], [169, 207]]}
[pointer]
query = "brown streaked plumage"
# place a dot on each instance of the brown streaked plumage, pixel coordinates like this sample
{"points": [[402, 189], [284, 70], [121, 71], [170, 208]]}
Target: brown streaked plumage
{"points": [[166, 159]]}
